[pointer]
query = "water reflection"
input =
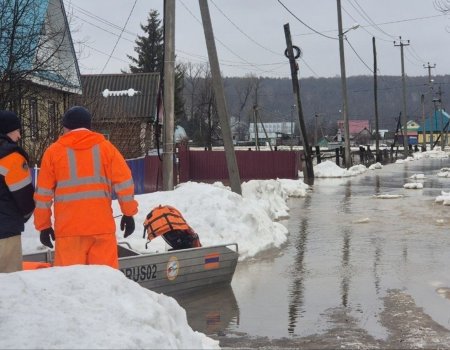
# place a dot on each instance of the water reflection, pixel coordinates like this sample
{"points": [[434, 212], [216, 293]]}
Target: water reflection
{"points": [[346, 201], [345, 282], [376, 265], [210, 310], [333, 261], [377, 185], [297, 288]]}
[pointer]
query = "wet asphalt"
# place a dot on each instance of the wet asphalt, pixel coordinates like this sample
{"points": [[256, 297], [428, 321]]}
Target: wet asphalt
{"points": [[357, 271]]}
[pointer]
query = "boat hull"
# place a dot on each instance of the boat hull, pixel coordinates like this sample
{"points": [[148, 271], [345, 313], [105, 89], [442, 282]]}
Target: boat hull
{"points": [[172, 272]]}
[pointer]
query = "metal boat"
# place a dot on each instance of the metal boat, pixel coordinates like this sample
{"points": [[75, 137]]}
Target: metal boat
{"points": [[173, 271]]}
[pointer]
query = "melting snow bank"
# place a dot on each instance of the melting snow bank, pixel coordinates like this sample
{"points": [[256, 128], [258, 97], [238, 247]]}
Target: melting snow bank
{"points": [[221, 216], [217, 214], [387, 196], [413, 185], [90, 307], [444, 198], [330, 169]]}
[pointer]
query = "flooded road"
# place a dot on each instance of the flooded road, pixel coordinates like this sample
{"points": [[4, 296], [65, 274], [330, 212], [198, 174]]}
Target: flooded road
{"points": [[357, 271]]}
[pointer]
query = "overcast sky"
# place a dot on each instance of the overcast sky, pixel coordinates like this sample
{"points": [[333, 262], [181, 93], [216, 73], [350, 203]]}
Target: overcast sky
{"points": [[250, 36]]}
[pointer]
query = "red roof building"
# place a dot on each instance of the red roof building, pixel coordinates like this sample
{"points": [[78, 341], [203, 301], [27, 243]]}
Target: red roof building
{"points": [[354, 126]]}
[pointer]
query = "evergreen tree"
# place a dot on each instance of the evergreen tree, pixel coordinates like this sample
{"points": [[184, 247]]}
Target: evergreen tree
{"points": [[150, 47]]}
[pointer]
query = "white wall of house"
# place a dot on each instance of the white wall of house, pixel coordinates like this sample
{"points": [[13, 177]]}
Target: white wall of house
{"points": [[273, 130]]}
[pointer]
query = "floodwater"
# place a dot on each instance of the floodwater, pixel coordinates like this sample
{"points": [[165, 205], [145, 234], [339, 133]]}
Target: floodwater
{"points": [[356, 271]]}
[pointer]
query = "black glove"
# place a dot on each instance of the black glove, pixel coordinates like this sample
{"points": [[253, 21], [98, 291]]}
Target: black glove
{"points": [[127, 224], [45, 237]]}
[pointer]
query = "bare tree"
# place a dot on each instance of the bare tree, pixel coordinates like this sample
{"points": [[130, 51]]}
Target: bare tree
{"points": [[36, 60], [244, 92], [203, 124]]}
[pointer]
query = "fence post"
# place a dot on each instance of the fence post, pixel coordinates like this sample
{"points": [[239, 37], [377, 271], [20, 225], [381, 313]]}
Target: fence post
{"points": [[319, 160], [336, 150]]}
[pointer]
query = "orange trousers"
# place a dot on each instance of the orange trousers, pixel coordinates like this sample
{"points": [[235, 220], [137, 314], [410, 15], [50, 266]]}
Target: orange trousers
{"points": [[87, 250]]}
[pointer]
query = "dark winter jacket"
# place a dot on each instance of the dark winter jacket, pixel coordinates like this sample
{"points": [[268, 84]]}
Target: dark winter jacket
{"points": [[16, 189]]}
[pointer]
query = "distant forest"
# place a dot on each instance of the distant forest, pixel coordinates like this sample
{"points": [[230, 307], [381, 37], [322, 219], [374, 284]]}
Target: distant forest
{"points": [[322, 97]]}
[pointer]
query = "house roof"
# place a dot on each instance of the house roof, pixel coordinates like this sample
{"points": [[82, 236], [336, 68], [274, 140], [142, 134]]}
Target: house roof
{"points": [[436, 121], [355, 126], [141, 105], [40, 26]]}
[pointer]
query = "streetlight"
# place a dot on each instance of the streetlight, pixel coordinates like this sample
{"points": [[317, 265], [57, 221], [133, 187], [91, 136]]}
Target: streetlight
{"points": [[348, 160]]}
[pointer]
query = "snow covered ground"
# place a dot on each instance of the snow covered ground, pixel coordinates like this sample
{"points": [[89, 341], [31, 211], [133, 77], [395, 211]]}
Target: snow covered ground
{"points": [[97, 307]]}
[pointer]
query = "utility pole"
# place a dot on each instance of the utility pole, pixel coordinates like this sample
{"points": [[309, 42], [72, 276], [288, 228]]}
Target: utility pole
{"points": [[316, 121], [308, 171], [255, 118], [404, 118], [424, 141], [233, 170], [169, 93], [348, 156], [430, 84], [375, 98], [442, 118], [292, 126]]}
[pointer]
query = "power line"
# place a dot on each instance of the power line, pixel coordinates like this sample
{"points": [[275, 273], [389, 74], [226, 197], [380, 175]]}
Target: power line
{"points": [[298, 19], [118, 39], [357, 55], [225, 46], [245, 34], [367, 17], [364, 27]]}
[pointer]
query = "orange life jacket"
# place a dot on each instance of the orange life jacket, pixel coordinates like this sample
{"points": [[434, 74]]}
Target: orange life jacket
{"points": [[163, 219]]}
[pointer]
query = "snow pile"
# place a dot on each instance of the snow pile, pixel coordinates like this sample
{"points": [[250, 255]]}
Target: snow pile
{"points": [[401, 161], [330, 169], [294, 188], [375, 166], [444, 198], [217, 214], [90, 307], [417, 176], [444, 172], [387, 196], [268, 194], [413, 185]]}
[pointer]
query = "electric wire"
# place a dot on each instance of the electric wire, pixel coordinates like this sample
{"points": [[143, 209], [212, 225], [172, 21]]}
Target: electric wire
{"points": [[311, 28], [257, 43], [118, 39], [364, 27], [245, 34], [223, 44], [357, 55], [369, 20]]}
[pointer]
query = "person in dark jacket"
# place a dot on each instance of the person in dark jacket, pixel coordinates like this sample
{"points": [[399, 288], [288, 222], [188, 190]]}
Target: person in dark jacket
{"points": [[16, 193]]}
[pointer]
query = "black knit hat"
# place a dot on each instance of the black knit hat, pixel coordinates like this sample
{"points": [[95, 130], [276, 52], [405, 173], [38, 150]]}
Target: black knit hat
{"points": [[8, 122], [77, 117]]}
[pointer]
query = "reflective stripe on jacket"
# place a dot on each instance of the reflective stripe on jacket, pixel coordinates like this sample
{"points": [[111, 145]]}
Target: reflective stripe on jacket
{"points": [[78, 175], [163, 219], [16, 189]]}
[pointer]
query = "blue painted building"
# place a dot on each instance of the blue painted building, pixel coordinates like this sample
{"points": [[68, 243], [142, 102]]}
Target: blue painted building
{"points": [[434, 124]]}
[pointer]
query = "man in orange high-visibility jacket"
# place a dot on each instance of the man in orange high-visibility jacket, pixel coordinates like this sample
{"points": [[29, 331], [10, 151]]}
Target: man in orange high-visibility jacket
{"points": [[16, 193], [79, 173], [167, 222]]}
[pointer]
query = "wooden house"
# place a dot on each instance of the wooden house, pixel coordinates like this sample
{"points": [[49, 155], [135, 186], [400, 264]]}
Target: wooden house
{"points": [[124, 109]]}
